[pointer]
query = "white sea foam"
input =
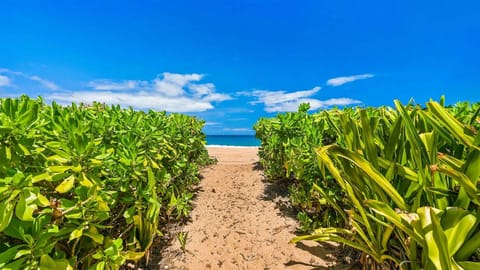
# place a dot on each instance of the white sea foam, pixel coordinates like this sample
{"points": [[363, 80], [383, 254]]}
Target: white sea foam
{"points": [[229, 146]]}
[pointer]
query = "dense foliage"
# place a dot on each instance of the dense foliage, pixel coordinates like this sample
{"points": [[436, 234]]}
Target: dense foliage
{"points": [[399, 185], [86, 187]]}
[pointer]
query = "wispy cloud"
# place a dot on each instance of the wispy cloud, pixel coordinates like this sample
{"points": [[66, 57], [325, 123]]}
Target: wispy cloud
{"points": [[346, 79], [32, 78], [239, 119], [105, 84], [4, 81], [275, 97], [172, 92], [213, 123], [281, 101], [48, 84]]}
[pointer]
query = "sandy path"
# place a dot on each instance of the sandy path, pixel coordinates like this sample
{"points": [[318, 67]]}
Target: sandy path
{"points": [[236, 223]]}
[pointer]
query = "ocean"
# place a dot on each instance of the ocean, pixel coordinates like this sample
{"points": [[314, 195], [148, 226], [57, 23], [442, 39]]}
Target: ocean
{"points": [[232, 140]]}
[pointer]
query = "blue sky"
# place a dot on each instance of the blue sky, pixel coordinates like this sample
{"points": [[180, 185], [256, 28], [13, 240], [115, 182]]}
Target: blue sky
{"points": [[231, 62]]}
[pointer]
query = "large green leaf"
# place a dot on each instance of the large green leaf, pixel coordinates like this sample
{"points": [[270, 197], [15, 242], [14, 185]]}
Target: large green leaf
{"points": [[8, 255], [66, 184], [435, 239], [469, 265], [6, 213], [465, 182], [26, 205], [402, 221], [457, 224], [461, 132], [369, 171]]}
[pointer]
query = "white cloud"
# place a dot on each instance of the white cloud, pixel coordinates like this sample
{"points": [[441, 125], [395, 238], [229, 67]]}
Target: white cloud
{"points": [[181, 79], [343, 80], [168, 88], [4, 81], [173, 84], [48, 84], [281, 101], [275, 97], [206, 91], [202, 89], [111, 85], [213, 123], [216, 97], [139, 100], [43, 82], [340, 102], [170, 91]]}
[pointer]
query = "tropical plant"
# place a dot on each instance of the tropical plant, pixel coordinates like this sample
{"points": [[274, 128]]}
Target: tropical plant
{"points": [[406, 184], [89, 186]]}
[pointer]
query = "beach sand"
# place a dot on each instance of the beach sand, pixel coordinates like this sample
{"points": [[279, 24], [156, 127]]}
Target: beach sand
{"points": [[239, 221]]}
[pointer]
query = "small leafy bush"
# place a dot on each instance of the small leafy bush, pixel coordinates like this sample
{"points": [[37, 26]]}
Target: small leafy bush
{"points": [[86, 187]]}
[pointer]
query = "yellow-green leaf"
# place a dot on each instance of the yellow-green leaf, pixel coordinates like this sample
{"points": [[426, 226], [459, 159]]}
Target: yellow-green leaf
{"points": [[42, 200], [66, 185], [26, 206], [6, 213], [77, 233], [134, 256], [85, 181], [95, 236], [41, 177]]}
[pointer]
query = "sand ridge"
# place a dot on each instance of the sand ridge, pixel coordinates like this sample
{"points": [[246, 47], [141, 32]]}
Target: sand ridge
{"points": [[237, 223]]}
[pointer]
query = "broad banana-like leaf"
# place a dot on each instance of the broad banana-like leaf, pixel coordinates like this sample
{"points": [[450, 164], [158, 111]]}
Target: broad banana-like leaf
{"points": [[399, 169], [451, 161], [368, 139], [468, 248], [420, 155], [399, 220], [333, 234], [370, 171], [469, 265], [435, 239], [456, 128], [457, 224], [471, 167], [465, 182]]}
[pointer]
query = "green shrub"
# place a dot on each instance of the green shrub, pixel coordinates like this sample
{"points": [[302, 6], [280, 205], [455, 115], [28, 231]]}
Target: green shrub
{"points": [[87, 186]]}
